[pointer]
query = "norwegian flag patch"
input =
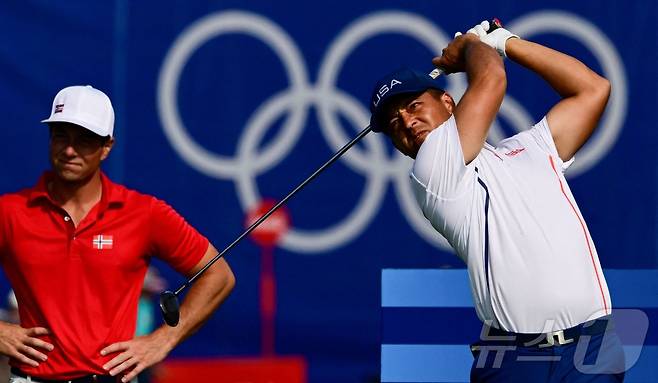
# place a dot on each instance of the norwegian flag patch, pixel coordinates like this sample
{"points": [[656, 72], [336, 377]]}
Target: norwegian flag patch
{"points": [[102, 242]]}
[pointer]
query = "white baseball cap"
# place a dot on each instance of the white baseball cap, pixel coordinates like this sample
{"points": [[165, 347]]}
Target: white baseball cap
{"points": [[84, 106]]}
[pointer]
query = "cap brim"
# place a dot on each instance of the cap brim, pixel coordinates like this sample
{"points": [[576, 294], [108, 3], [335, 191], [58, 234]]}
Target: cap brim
{"points": [[80, 123]]}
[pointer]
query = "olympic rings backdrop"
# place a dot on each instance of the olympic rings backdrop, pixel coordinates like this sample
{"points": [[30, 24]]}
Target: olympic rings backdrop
{"points": [[222, 104]]}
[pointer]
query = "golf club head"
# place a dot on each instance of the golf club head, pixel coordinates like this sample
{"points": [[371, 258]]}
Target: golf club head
{"points": [[170, 308]]}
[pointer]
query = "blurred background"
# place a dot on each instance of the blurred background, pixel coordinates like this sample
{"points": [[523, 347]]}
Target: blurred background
{"points": [[224, 106]]}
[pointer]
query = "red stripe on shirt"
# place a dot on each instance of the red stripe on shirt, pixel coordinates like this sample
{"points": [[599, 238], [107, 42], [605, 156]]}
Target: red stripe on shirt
{"points": [[582, 225]]}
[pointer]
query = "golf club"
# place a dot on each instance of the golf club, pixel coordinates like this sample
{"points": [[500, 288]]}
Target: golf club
{"points": [[169, 299], [169, 304]]}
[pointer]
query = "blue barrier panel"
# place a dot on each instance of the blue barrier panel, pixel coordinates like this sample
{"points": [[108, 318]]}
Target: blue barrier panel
{"points": [[428, 322]]}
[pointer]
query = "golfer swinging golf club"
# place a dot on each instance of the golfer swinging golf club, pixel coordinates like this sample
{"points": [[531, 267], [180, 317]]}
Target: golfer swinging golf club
{"points": [[76, 248], [507, 210]]}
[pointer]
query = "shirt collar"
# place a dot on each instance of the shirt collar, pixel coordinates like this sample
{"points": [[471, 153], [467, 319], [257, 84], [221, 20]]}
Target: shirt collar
{"points": [[40, 190], [111, 194]]}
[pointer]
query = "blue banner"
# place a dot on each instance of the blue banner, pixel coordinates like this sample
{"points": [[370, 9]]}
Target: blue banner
{"points": [[222, 104]]}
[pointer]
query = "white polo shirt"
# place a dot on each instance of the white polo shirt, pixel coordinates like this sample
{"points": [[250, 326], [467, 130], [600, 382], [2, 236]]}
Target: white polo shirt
{"points": [[511, 217]]}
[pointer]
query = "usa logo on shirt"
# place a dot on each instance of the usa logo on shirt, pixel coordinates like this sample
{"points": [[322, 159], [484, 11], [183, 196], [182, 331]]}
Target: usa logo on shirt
{"points": [[102, 242]]}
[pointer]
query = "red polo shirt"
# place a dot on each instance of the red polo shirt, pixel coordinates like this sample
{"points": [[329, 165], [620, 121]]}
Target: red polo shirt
{"points": [[83, 283]]}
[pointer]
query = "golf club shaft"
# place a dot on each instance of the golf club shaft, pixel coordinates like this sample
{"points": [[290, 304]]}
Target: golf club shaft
{"points": [[260, 220]]}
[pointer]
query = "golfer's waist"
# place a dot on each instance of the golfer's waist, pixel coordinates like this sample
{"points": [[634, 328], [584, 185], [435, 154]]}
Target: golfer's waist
{"points": [[91, 378], [593, 327]]}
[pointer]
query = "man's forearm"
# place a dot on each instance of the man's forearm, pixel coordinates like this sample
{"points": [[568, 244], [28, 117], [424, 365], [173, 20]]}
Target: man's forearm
{"points": [[565, 74], [479, 56], [207, 293], [482, 63]]}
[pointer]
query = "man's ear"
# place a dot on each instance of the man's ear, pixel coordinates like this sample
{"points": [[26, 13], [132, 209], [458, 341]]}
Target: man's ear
{"points": [[107, 148], [447, 100]]}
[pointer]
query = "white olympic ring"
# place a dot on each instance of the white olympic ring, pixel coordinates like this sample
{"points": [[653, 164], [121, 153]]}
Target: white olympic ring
{"points": [[373, 162], [196, 35]]}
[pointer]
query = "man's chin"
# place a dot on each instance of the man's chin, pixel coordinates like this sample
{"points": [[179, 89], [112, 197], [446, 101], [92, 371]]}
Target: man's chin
{"points": [[418, 140], [69, 176], [417, 143]]}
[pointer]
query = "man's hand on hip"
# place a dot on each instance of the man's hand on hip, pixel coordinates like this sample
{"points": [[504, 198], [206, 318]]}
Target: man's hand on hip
{"points": [[137, 354], [23, 344]]}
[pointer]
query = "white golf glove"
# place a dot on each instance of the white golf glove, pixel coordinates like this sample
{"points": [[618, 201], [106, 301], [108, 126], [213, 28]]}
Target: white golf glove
{"points": [[495, 39]]}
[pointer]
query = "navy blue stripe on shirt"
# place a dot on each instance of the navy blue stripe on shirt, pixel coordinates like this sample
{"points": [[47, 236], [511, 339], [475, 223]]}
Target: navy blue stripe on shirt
{"points": [[486, 229]]}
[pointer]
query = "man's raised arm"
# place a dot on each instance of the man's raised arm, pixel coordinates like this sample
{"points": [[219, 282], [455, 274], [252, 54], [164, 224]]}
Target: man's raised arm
{"points": [[584, 93], [486, 88]]}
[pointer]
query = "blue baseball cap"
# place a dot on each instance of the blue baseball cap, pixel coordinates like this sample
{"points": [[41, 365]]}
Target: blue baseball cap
{"points": [[403, 80]]}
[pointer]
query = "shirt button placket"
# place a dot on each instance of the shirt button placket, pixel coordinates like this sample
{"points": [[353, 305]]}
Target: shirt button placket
{"points": [[70, 227]]}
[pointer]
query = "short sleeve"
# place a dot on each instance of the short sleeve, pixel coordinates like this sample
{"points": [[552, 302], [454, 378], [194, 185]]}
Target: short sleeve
{"points": [[173, 239], [439, 167], [442, 182], [541, 134]]}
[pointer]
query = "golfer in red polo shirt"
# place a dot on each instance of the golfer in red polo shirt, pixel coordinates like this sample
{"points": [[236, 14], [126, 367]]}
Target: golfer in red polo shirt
{"points": [[76, 248]]}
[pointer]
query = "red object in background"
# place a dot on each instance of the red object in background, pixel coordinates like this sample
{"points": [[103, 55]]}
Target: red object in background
{"points": [[266, 235], [233, 370]]}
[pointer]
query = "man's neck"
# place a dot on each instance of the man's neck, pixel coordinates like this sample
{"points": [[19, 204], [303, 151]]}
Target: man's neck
{"points": [[81, 194]]}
